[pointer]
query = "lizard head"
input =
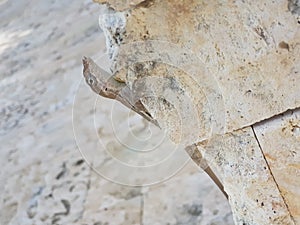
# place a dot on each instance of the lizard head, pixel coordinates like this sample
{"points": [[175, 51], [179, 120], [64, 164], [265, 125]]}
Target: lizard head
{"points": [[99, 80], [105, 85], [90, 79]]}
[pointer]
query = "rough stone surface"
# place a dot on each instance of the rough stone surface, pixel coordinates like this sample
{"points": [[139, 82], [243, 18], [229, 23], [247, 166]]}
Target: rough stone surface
{"points": [[239, 163], [208, 71], [280, 142], [178, 209], [121, 5], [44, 180], [253, 47]]}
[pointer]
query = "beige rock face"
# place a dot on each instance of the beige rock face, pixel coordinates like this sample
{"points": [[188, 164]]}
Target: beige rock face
{"points": [[280, 142], [240, 164], [259, 168], [43, 177], [209, 72], [240, 57]]}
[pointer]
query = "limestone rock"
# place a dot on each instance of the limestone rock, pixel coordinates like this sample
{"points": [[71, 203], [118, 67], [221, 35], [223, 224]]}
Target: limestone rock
{"points": [[208, 72], [280, 142], [43, 178], [237, 57], [239, 163]]}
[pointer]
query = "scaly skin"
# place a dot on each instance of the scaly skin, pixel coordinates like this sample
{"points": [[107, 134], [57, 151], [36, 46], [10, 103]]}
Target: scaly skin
{"points": [[105, 85]]}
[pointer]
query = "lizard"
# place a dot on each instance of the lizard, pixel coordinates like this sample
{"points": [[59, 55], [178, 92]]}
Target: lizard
{"points": [[106, 85]]}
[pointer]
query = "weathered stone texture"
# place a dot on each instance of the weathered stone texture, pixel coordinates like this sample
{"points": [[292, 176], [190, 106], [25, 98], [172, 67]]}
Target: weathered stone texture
{"points": [[120, 5], [248, 50], [43, 178], [209, 70], [280, 142], [239, 163]]}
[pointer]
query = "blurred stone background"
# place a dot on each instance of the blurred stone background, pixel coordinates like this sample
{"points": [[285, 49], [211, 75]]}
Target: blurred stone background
{"points": [[44, 177]]}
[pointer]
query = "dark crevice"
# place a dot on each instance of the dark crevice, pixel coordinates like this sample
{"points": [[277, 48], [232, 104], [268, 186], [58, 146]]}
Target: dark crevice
{"points": [[88, 186], [142, 209], [266, 119], [294, 6], [277, 186], [145, 4]]}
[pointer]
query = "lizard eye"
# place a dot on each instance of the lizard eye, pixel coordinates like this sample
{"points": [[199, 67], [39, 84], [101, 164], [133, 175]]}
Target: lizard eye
{"points": [[91, 80]]}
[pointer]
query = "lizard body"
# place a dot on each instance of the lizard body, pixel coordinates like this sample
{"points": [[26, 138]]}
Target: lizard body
{"points": [[105, 85]]}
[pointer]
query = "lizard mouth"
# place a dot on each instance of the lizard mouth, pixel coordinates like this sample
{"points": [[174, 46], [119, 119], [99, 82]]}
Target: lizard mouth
{"points": [[85, 66], [89, 78]]}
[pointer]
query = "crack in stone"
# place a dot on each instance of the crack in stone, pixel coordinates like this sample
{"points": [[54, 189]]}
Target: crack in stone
{"points": [[277, 186]]}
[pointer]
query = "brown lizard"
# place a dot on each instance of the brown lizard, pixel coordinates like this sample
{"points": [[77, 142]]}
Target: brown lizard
{"points": [[105, 85]]}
